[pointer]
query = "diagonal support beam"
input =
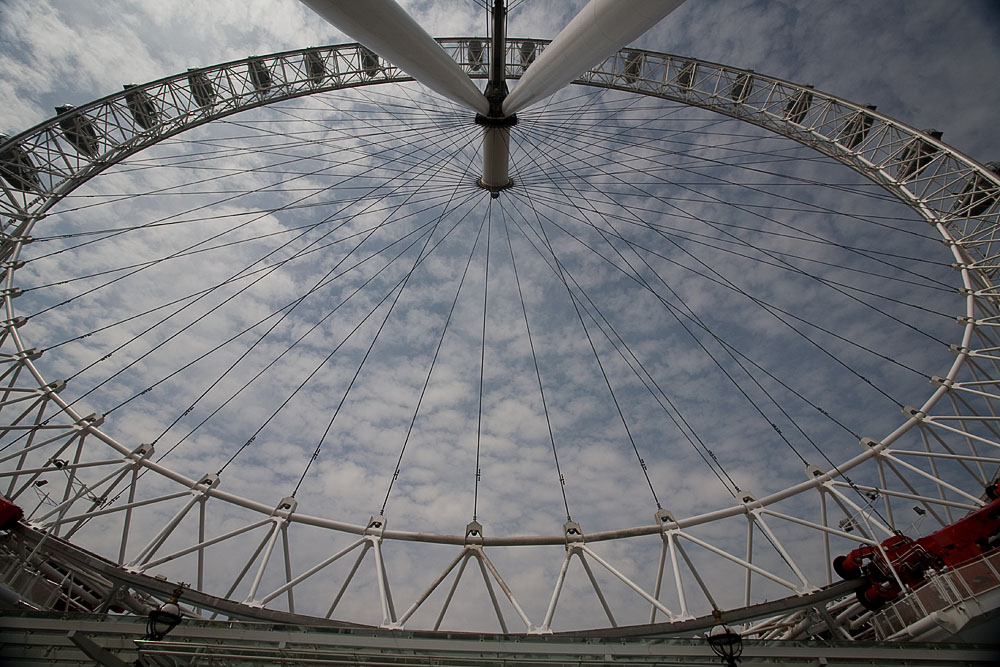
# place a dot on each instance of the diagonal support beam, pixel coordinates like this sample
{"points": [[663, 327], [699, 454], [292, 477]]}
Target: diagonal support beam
{"points": [[600, 29], [386, 28]]}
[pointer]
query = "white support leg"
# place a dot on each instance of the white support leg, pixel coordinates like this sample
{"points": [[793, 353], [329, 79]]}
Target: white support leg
{"points": [[451, 591], [546, 626], [749, 557], [628, 582], [659, 577], [386, 28], [787, 557], [350, 577], [677, 577], [311, 571], [265, 559], [204, 544], [493, 596], [600, 29], [506, 590], [384, 595], [597, 589], [430, 589]]}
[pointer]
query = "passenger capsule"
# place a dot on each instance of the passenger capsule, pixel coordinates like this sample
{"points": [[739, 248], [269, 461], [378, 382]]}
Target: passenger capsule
{"points": [[315, 67], [632, 67], [201, 88], [979, 194], [740, 90], [369, 62], [685, 76], [79, 131], [527, 52], [260, 75], [856, 128], [17, 168], [141, 105], [476, 52], [916, 155], [798, 106]]}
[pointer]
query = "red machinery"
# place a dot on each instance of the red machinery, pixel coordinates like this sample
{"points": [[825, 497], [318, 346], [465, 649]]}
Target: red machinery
{"points": [[10, 514], [969, 537]]}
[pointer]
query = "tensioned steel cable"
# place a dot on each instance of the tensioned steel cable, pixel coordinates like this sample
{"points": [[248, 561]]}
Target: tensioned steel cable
{"points": [[387, 295], [702, 326], [674, 413], [561, 273], [758, 300], [302, 337], [573, 137], [556, 262], [338, 264], [193, 246], [540, 187], [588, 149], [412, 159], [328, 357], [638, 278], [243, 270], [350, 194], [795, 269], [710, 453], [786, 415], [437, 350], [280, 356], [699, 320], [285, 312], [433, 195], [534, 361], [593, 133], [453, 141], [391, 141], [482, 357], [297, 256], [243, 192], [420, 258], [532, 157], [690, 434], [711, 242]]}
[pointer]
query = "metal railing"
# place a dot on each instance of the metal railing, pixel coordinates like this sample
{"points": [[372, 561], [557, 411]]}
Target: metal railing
{"points": [[941, 591]]}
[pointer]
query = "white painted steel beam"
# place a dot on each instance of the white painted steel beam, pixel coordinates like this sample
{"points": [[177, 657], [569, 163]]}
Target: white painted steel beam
{"points": [[600, 29], [386, 28]]}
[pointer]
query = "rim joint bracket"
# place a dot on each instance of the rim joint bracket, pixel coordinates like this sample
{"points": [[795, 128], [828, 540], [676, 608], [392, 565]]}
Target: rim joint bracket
{"points": [[573, 534], [376, 526]]}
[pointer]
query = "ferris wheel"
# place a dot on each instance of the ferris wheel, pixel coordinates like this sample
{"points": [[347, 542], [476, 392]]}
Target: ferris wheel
{"points": [[646, 338]]}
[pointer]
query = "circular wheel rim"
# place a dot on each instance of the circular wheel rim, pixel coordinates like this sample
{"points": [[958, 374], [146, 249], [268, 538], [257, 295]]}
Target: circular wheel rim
{"points": [[955, 194]]}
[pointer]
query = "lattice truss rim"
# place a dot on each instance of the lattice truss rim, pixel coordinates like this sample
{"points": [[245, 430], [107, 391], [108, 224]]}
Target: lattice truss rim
{"points": [[952, 192]]}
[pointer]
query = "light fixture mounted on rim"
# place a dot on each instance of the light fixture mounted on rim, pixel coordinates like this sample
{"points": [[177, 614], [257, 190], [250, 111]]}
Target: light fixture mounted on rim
{"points": [[726, 642], [164, 618]]}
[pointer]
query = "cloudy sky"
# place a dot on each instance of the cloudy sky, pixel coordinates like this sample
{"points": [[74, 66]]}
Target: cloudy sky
{"points": [[925, 63], [928, 64]]}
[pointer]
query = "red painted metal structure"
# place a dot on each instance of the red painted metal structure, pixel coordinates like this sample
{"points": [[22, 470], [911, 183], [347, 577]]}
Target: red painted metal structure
{"points": [[10, 514], [970, 537]]}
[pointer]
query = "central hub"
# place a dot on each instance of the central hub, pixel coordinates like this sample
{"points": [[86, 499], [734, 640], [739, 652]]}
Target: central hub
{"points": [[496, 126]]}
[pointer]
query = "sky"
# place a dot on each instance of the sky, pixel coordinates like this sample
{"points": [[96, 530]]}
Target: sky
{"points": [[923, 63]]}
